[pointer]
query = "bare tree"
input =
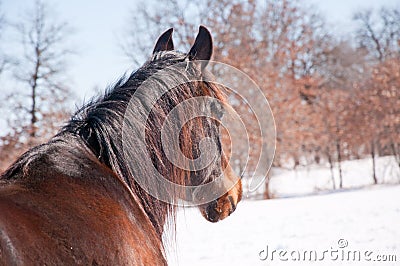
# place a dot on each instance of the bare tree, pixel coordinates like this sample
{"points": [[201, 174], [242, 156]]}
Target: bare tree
{"points": [[42, 66], [379, 32], [39, 102]]}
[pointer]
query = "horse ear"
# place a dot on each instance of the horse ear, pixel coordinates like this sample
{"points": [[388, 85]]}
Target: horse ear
{"points": [[203, 46], [164, 42]]}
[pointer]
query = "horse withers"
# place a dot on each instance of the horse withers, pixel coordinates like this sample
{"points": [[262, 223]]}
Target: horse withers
{"points": [[78, 199]]}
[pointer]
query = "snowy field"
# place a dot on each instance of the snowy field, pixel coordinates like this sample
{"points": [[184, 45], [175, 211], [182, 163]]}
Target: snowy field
{"points": [[350, 227], [367, 219]]}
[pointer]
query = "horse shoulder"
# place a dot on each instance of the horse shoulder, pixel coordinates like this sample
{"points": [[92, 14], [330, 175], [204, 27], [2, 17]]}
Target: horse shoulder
{"points": [[52, 217]]}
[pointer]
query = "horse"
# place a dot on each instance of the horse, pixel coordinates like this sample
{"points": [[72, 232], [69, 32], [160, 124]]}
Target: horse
{"points": [[76, 200]]}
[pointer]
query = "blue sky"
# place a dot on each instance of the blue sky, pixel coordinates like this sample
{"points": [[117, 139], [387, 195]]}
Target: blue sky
{"points": [[99, 25]]}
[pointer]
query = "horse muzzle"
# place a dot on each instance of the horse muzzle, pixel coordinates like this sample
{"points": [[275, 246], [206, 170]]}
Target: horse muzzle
{"points": [[224, 206]]}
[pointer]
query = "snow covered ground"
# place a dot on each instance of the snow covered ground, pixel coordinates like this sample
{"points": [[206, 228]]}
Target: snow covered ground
{"points": [[320, 226], [367, 219]]}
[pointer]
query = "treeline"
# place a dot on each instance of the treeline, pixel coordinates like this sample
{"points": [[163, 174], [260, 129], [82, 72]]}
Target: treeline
{"points": [[334, 98]]}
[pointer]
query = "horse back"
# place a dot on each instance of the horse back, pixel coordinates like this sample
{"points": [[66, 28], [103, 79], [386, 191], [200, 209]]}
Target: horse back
{"points": [[50, 216]]}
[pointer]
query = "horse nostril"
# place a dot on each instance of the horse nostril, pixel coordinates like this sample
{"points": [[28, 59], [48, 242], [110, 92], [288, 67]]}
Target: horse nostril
{"points": [[212, 212]]}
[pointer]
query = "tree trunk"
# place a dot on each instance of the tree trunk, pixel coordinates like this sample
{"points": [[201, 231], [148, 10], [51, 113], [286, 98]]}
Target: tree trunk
{"points": [[395, 153], [266, 192], [339, 160], [339, 153], [373, 162], [331, 168], [33, 112], [33, 96]]}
